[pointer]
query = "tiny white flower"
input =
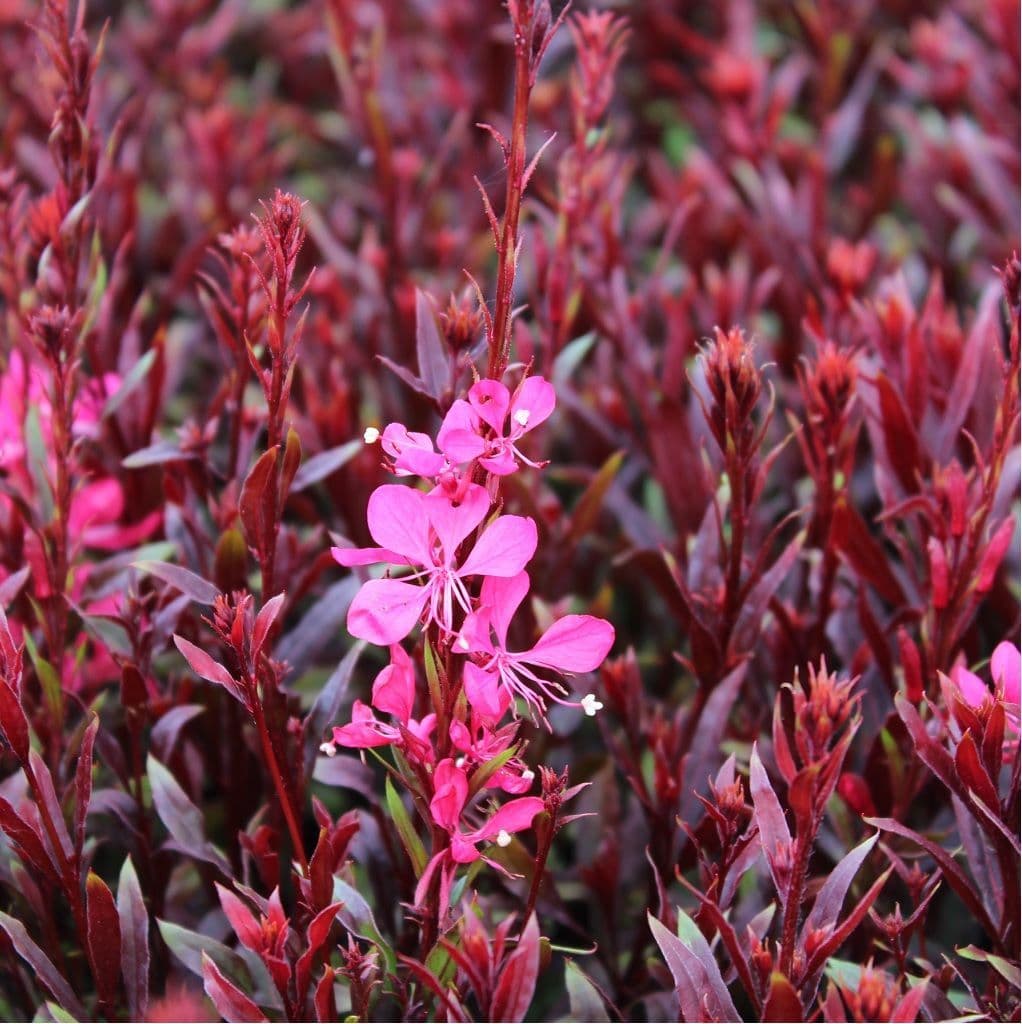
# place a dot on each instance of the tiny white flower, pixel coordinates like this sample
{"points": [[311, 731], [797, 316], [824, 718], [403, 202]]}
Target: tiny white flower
{"points": [[522, 417], [503, 838], [328, 748], [590, 705], [371, 435]]}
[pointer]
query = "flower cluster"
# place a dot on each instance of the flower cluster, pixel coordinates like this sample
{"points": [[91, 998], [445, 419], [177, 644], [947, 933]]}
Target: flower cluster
{"points": [[460, 565]]}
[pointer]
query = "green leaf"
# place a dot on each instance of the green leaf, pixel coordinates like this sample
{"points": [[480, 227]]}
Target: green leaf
{"points": [[37, 464], [583, 996], [405, 829], [587, 509], [570, 358], [53, 693]]}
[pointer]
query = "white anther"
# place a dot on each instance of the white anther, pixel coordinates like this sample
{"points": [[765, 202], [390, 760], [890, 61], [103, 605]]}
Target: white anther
{"points": [[459, 763], [590, 705], [522, 417], [528, 775], [371, 435], [503, 838], [328, 749], [463, 643]]}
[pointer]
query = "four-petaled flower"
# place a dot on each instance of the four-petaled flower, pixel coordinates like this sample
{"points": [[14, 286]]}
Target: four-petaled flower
{"points": [[426, 531]]}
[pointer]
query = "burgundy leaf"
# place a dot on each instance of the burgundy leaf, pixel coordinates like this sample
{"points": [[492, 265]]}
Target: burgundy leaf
{"points": [[782, 1002], [517, 982], [83, 783], [48, 975], [430, 350], [104, 937], [188, 582], [232, 1004], [134, 930], [773, 827], [205, 667]]}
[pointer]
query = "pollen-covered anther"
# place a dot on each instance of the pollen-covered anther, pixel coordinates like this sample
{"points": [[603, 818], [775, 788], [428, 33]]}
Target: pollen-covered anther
{"points": [[590, 705], [328, 749], [371, 435], [503, 838]]}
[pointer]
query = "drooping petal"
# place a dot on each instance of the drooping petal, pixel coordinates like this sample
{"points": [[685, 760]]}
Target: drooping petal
{"points": [[463, 849], [454, 521], [501, 462], [394, 687], [514, 816], [575, 643], [972, 689], [505, 547], [398, 521], [1005, 668], [411, 451], [450, 791], [533, 403], [484, 692], [459, 436], [385, 611], [499, 599], [364, 729], [490, 400], [349, 557]]}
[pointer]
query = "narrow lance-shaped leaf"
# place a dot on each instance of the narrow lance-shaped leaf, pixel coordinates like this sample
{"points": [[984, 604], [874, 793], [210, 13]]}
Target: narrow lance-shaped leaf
{"points": [[134, 929]]}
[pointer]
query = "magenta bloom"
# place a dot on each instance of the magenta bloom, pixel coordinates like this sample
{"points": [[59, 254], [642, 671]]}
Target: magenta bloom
{"points": [[1005, 670], [425, 531], [574, 643], [448, 804], [394, 694], [411, 452], [489, 425]]}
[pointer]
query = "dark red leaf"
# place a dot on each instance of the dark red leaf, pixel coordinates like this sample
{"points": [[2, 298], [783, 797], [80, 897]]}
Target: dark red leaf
{"points": [[782, 1002], [83, 783], [517, 982], [232, 1004], [134, 930], [104, 938]]}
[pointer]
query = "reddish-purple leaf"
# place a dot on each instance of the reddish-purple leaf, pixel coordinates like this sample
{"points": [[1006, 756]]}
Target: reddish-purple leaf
{"points": [[232, 1004], [852, 538], [45, 794], [973, 773], [430, 350], [188, 582], [13, 723], [104, 937], [517, 983], [264, 622], [134, 927], [31, 846], [83, 783], [48, 975], [832, 894], [773, 827], [901, 444], [255, 505], [782, 1002], [205, 667], [907, 1009]]}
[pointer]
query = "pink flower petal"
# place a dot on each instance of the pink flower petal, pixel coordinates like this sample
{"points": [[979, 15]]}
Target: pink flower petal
{"points": [[484, 692], [394, 687], [450, 791], [1005, 668], [366, 556], [454, 521], [536, 397], [514, 816], [500, 598], [490, 400], [459, 436], [505, 547], [411, 451], [463, 849], [575, 643], [364, 729], [398, 521], [386, 611], [502, 463], [972, 689]]}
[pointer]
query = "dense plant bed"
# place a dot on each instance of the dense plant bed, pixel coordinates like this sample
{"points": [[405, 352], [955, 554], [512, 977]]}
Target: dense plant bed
{"points": [[508, 512]]}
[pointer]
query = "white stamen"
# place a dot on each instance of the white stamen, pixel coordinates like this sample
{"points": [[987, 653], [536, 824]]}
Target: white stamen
{"points": [[371, 435], [463, 643], [503, 838], [459, 763], [528, 775], [521, 417], [328, 749], [590, 705]]}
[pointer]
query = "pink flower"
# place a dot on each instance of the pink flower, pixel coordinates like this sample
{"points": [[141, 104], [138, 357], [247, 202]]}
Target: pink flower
{"points": [[394, 694], [574, 643], [449, 797], [480, 743], [1005, 669], [412, 453], [426, 530], [479, 428]]}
